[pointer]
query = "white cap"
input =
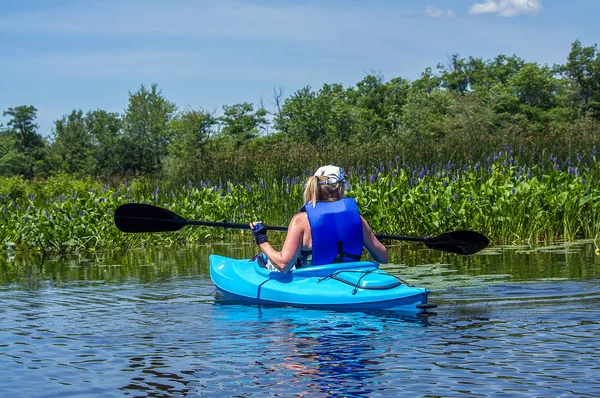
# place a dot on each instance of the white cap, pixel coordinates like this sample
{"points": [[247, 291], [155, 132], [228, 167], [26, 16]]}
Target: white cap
{"points": [[334, 175]]}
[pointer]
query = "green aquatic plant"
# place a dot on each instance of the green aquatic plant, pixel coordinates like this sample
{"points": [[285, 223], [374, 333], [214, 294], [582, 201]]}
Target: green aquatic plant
{"points": [[510, 198]]}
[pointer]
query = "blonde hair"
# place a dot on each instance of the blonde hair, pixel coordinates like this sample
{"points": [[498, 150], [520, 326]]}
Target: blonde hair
{"points": [[314, 192]]}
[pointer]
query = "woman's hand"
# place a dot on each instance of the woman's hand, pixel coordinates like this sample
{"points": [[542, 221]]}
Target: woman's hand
{"points": [[259, 231]]}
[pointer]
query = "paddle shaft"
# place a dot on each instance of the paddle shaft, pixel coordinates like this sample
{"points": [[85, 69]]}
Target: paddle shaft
{"points": [[233, 225], [227, 225], [397, 237], [139, 217]]}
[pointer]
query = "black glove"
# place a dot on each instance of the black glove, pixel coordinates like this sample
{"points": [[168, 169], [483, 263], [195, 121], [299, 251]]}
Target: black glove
{"points": [[260, 234]]}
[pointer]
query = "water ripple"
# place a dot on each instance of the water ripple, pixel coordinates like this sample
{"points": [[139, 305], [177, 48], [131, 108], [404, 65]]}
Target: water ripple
{"points": [[174, 336]]}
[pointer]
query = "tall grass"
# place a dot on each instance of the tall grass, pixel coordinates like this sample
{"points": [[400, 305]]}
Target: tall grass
{"points": [[467, 139], [511, 197]]}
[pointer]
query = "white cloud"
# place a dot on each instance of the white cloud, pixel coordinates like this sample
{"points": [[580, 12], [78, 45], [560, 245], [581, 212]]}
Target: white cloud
{"points": [[435, 12], [506, 8]]}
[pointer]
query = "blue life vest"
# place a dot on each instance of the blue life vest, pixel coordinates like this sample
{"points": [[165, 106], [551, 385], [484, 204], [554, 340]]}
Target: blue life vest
{"points": [[336, 230]]}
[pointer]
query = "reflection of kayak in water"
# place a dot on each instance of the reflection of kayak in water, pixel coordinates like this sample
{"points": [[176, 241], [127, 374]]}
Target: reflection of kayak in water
{"points": [[354, 285], [317, 350], [311, 322]]}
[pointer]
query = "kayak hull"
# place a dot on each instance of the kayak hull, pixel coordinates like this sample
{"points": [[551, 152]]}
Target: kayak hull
{"points": [[355, 285]]}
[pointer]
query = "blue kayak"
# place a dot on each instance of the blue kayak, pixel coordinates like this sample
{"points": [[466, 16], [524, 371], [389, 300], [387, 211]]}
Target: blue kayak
{"points": [[352, 285]]}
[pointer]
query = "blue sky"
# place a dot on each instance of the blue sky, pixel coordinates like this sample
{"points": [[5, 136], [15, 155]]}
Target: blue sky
{"points": [[60, 55]]}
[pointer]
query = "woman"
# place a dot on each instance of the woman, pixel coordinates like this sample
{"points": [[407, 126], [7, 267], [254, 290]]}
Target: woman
{"points": [[339, 231]]}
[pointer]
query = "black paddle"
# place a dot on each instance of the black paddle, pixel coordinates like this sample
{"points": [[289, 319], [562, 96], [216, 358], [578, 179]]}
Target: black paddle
{"points": [[139, 217], [460, 242]]}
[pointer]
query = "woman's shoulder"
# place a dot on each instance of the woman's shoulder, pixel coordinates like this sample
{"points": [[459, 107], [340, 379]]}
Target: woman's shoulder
{"points": [[299, 219]]}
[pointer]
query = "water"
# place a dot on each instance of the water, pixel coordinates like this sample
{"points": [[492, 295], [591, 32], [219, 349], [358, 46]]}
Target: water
{"points": [[510, 322]]}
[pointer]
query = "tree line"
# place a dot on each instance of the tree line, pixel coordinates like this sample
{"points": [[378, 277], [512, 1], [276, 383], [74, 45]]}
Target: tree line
{"points": [[457, 111]]}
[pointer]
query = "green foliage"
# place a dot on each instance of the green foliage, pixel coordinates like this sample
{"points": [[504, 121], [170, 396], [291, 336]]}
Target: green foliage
{"points": [[456, 112], [14, 163], [8, 142], [241, 123], [22, 148], [583, 70], [309, 116], [425, 114], [189, 147], [191, 130], [535, 86], [73, 144], [147, 131], [22, 125], [13, 187], [242, 165], [108, 146], [509, 197]]}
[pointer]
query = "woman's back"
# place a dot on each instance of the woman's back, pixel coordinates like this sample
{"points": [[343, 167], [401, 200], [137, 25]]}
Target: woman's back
{"points": [[333, 221]]}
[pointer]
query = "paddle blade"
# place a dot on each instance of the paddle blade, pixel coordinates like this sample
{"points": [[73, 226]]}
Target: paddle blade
{"points": [[139, 217], [459, 242]]}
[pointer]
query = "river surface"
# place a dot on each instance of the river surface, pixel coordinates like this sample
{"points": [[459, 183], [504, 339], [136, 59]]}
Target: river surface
{"points": [[511, 322]]}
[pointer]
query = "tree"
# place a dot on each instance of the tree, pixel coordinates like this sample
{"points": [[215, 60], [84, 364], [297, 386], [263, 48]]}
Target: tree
{"points": [[300, 118], [106, 134], [535, 85], [475, 74], [376, 106], [455, 75], [146, 129], [22, 125], [8, 142], [425, 113], [427, 83], [8, 151], [583, 68], [191, 130], [27, 145], [16, 163], [309, 116], [242, 123], [503, 68], [73, 144]]}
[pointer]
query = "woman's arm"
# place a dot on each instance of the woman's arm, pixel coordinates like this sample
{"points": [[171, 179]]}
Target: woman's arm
{"points": [[373, 245], [286, 258]]}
